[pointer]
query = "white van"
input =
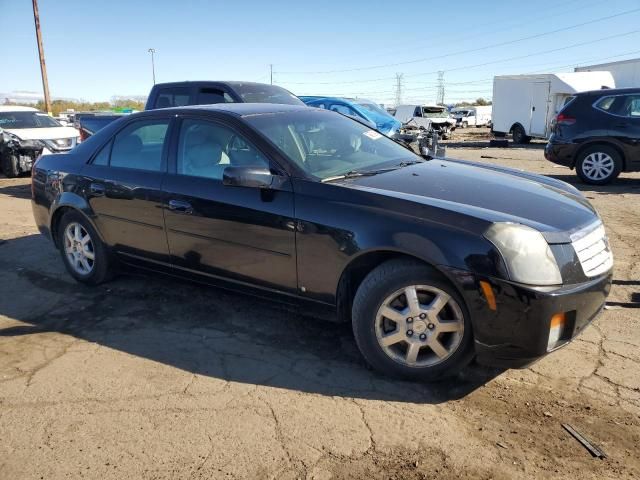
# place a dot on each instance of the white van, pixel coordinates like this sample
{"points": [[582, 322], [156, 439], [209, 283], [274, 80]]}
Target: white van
{"points": [[525, 105], [436, 116], [473, 116]]}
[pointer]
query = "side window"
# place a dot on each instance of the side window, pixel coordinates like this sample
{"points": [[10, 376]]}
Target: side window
{"points": [[417, 112], [606, 104], [172, 97], [208, 96], [631, 107], [102, 158], [205, 149], [140, 145]]}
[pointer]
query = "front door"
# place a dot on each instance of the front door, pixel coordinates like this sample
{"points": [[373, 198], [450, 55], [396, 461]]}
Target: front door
{"points": [[123, 186], [241, 234]]}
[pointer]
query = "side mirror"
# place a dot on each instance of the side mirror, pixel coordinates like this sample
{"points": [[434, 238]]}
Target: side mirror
{"points": [[254, 177]]}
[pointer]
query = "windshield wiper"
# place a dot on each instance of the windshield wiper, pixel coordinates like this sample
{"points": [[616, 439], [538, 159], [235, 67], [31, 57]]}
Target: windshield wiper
{"points": [[368, 173]]}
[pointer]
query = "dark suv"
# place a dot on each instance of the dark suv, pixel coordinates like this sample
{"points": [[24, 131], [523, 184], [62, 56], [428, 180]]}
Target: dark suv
{"points": [[180, 94], [598, 133]]}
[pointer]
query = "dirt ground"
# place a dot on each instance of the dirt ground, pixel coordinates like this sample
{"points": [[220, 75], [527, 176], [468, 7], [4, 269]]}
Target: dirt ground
{"points": [[151, 378]]}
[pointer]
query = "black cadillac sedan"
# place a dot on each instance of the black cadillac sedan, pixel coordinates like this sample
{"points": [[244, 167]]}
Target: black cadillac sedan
{"points": [[433, 261]]}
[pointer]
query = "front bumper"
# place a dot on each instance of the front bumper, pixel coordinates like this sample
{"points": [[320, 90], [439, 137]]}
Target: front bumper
{"points": [[516, 334]]}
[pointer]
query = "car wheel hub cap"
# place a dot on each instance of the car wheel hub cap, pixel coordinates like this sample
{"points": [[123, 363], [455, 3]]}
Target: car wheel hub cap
{"points": [[598, 166], [78, 248], [419, 326]]}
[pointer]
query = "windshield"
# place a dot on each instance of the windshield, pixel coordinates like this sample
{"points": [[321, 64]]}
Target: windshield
{"points": [[434, 112], [325, 144], [372, 107], [256, 93], [11, 120]]}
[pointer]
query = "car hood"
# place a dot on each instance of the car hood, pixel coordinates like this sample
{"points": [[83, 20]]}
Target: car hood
{"points": [[488, 192], [50, 133]]}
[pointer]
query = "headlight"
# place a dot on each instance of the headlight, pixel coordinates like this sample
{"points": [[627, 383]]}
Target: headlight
{"points": [[35, 144], [526, 253]]}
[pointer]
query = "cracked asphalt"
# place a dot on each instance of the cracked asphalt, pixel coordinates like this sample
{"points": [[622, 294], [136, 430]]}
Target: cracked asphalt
{"points": [[152, 378]]}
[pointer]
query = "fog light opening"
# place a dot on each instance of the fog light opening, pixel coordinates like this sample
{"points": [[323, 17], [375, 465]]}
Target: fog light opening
{"points": [[556, 330], [488, 295]]}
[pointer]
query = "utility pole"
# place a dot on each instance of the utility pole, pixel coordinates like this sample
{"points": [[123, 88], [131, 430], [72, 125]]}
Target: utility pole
{"points": [[271, 72], [43, 67], [399, 88], [440, 99], [152, 51]]}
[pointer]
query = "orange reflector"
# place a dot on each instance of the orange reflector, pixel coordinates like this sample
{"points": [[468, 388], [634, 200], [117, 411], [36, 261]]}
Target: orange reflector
{"points": [[557, 321], [488, 294]]}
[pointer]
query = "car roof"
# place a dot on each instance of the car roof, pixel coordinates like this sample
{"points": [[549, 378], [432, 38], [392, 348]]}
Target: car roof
{"points": [[609, 91], [241, 109], [231, 83], [17, 108]]}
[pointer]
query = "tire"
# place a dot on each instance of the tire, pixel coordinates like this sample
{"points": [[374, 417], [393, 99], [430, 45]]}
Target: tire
{"points": [[10, 166], [446, 134], [465, 124], [372, 328], [519, 135], [598, 165], [90, 272]]}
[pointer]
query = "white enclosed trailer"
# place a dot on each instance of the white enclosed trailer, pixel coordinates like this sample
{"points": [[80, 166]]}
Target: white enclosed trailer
{"points": [[525, 105], [625, 73]]}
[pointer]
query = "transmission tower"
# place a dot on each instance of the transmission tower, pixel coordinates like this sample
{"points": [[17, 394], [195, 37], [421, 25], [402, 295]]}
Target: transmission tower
{"points": [[440, 97], [399, 88]]}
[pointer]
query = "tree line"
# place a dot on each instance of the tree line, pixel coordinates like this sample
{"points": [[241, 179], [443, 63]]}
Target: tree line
{"points": [[58, 106]]}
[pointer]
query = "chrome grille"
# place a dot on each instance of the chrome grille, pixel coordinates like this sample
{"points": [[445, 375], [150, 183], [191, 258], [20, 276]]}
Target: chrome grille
{"points": [[592, 247]]}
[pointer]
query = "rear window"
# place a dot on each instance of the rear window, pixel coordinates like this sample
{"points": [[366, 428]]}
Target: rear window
{"points": [[259, 93], [172, 97]]}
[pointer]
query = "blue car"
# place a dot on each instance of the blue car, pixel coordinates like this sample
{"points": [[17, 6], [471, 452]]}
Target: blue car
{"points": [[362, 109]]}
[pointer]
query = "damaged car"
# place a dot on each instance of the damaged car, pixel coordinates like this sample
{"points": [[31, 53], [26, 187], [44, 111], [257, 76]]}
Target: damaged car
{"points": [[436, 117], [25, 134]]}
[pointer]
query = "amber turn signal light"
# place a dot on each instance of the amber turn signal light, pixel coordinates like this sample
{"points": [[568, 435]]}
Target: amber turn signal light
{"points": [[488, 294]]}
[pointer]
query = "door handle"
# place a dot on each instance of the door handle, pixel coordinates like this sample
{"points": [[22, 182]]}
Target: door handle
{"points": [[97, 189], [621, 125], [180, 206]]}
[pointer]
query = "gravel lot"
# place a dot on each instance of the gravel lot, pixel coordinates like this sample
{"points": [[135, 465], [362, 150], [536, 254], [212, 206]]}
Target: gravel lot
{"points": [[152, 378]]}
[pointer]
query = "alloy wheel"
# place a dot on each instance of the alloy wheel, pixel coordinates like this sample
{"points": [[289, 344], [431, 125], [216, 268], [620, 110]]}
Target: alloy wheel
{"points": [[79, 248], [598, 166], [419, 326]]}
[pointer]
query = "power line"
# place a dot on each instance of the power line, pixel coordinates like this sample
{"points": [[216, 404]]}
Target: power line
{"points": [[464, 67], [478, 49]]}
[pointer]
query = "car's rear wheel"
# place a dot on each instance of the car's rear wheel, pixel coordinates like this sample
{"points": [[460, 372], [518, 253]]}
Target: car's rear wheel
{"points": [[598, 165], [519, 135], [409, 322], [83, 253], [10, 166], [465, 124]]}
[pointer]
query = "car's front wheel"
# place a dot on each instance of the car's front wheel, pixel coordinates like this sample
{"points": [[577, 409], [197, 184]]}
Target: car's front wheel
{"points": [[83, 253], [10, 166], [598, 165], [409, 322]]}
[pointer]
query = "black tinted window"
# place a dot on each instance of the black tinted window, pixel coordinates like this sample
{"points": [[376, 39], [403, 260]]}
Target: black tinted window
{"points": [[208, 96], [205, 149], [102, 158], [606, 104], [140, 145], [172, 97], [631, 106]]}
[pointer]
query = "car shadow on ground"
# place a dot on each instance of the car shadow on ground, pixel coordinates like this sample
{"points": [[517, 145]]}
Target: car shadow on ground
{"points": [[17, 191], [484, 143], [621, 185], [205, 331]]}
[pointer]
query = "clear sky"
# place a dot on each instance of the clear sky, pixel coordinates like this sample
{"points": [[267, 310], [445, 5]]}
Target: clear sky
{"points": [[97, 49]]}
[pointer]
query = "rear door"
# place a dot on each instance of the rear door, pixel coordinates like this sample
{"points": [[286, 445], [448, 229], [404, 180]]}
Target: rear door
{"points": [[240, 234], [539, 109], [627, 129], [123, 184]]}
